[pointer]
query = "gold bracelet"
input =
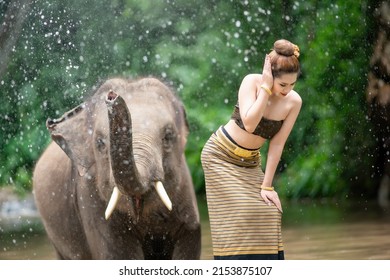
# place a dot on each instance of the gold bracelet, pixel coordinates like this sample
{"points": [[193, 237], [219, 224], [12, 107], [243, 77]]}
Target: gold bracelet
{"points": [[266, 89], [267, 188]]}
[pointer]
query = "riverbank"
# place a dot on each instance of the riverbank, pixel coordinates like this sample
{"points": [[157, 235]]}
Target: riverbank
{"points": [[17, 212]]}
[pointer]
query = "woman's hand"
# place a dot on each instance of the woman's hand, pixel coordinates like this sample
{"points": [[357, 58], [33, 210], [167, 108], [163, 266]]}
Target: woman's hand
{"points": [[271, 197], [267, 78]]}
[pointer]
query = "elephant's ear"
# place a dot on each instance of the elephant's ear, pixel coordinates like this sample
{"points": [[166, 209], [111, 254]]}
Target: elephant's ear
{"points": [[74, 135]]}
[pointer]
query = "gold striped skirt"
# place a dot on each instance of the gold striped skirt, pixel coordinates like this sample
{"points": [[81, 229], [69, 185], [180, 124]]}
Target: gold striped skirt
{"points": [[242, 225]]}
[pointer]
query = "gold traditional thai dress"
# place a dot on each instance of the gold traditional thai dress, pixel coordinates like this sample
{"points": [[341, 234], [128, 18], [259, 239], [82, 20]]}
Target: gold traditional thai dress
{"points": [[242, 225]]}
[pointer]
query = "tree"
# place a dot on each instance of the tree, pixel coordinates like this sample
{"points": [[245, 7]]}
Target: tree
{"points": [[15, 13], [378, 97]]}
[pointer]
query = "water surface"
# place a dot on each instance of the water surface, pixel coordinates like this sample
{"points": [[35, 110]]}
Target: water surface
{"points": [[312, 230]]}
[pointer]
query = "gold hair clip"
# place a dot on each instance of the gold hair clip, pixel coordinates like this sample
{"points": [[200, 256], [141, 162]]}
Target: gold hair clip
{"points": [[296, 51]]}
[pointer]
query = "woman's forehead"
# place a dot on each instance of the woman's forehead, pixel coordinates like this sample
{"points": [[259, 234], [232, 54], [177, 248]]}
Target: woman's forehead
{"points": [[289, 78]]}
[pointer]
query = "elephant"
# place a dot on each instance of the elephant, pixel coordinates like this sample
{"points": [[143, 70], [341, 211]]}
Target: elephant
{"points": [[114, 182]]}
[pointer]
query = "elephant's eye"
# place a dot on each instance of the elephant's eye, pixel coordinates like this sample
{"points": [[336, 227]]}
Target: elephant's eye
{"points": [[168, 139], [100, 144]]}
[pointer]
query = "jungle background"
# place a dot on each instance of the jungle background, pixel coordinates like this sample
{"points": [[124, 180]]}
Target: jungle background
{"points": [[52, 53]]}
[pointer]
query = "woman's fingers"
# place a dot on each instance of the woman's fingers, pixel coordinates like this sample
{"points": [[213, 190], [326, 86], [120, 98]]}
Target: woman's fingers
{"points": [[277, 203], [271, 197], [265, 198], [268, 80], [266, 62]]}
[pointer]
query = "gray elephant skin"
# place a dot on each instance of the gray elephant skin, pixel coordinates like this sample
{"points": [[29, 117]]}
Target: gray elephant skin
{"points": [[96, 184]]}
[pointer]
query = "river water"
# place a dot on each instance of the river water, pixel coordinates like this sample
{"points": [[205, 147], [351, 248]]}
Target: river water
{"points": [[312, 230]]}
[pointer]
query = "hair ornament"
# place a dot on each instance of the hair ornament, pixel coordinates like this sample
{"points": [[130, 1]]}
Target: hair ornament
{"points": [[296, 51]]}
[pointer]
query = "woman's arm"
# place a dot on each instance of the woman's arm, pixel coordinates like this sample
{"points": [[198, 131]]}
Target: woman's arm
{"points": [[253, 98], [275, 151]]}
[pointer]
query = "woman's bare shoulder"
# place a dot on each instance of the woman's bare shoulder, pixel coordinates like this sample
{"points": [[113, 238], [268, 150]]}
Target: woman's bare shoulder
{"points": [[253, 76], [295, 97], [251, 79]]}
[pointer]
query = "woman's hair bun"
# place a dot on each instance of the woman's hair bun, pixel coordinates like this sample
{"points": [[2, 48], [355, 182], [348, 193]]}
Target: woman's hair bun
{"points": [[286, 48]]}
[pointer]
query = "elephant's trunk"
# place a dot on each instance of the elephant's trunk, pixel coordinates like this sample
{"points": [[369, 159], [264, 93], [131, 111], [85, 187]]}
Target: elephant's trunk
{"points": [[125, 172], [124, 169]]}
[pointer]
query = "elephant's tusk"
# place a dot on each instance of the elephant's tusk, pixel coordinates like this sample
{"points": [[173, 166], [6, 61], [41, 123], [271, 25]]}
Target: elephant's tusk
{"points": [[116, 194], [163, 195]]}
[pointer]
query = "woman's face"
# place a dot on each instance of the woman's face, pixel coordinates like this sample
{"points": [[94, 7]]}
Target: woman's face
{"points": [[284, 84]]}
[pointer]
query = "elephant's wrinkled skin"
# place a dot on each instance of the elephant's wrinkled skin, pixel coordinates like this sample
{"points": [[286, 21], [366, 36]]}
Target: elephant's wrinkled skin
{"points": [[128, 135]]}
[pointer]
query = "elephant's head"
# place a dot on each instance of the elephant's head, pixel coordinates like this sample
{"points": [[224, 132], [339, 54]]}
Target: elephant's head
{"points": [[128, 139]]}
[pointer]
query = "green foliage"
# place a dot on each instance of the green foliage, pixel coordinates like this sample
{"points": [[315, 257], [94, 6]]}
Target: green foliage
{"points": [[336, 157], [201, 49]]}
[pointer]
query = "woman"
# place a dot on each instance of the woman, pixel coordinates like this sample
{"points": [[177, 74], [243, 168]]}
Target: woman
{"points": [[244, 209]]}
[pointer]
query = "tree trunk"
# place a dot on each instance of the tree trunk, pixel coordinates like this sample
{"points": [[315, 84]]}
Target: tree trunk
{"points": [[11, 28], [378, 97]]}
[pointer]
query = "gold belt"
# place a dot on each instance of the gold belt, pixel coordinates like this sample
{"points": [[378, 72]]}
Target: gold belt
{"points": [[238, 151]]}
